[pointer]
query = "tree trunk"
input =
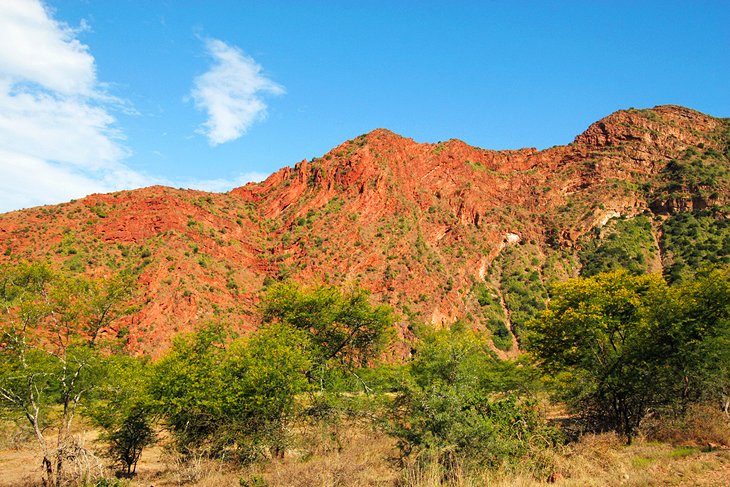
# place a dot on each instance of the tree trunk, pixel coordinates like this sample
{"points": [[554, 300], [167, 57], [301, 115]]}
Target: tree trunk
{"points": [[48, 479]]}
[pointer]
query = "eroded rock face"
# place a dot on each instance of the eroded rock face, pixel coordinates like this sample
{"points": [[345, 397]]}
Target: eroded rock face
{"points": [[662, 130], [416, 224]]}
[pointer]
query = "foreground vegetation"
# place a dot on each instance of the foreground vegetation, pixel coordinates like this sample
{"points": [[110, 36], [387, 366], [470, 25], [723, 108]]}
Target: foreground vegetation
{"points": [[628, 356]]}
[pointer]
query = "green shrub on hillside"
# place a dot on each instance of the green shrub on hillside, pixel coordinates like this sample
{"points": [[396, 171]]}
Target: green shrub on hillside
{"points": [[620, 244], [521, 282], [693, 241], [494, 316], [697, 173]]}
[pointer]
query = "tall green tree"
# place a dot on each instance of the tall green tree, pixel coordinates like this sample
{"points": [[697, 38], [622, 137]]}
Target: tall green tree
{"points": [[690, 343], [187, 385], [619, 346], [593, 337], [50, 328], [232, 397], [263, 375]]}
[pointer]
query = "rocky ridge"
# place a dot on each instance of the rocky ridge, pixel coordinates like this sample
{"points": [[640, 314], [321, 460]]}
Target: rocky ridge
{"points": [[442, 231]]}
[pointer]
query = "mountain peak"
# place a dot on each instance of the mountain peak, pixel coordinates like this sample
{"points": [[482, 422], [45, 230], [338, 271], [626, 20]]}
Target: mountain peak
{"points": [[669, 126], [382, 133]]}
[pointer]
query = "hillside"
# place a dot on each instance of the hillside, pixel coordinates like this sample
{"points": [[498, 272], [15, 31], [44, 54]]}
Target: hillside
{"points": [[442, 231]]}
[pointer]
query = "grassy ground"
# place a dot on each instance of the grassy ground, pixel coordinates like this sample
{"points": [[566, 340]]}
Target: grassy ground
{"points": [[360, 456], [692, 451]]}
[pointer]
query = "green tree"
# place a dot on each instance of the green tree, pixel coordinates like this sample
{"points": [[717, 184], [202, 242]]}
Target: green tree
{"points": [[346, 331], [124, 411], [187, 384], [232, 398], [263, 375], [49, 349], [592, 338], [621, 345], [690, 343]]}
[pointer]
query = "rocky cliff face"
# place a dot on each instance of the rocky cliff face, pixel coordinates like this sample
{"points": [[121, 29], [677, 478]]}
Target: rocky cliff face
{"points": [[441, 231]]}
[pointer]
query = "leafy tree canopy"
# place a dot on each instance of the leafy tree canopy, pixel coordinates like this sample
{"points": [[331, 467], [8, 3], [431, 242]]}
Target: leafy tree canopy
{"points": [[232, 397], [345, 329], [619, 345]]}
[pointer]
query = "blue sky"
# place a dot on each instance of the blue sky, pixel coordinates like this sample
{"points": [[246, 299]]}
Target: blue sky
{"points": [[101, 95]]}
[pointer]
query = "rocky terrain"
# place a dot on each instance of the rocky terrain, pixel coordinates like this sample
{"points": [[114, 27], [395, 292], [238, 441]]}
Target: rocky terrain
{"points": [[441, 231]]}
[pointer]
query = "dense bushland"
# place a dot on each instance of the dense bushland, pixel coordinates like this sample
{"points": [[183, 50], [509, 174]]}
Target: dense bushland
{"points": [[695, 240], [621, 244]]}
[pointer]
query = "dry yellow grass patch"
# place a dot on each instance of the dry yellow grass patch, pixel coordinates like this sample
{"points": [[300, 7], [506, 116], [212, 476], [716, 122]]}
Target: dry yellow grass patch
{"points": [[356, 455], [605, 460]]}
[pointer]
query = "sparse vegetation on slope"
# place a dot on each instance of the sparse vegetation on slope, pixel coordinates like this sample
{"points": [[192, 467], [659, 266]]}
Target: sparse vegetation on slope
{"points": [[417, 225]]}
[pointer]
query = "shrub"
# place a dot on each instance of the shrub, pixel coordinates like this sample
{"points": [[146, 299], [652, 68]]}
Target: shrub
{"points": [[627, 245], [693, 241], [132, 435], [232, 398], [461, 406], [123, 412]]}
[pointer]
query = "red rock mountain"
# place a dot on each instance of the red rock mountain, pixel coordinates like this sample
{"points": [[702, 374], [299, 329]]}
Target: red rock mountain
{"points": [[441, 231]]}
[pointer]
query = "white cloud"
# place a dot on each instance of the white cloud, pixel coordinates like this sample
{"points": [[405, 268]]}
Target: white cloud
{"points": [[27, 181], [231, 92], [38, 49], [63, 129], [58, 139]]}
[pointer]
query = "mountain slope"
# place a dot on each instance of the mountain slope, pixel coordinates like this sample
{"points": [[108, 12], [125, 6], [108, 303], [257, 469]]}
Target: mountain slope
{"points": [[441, 231]]}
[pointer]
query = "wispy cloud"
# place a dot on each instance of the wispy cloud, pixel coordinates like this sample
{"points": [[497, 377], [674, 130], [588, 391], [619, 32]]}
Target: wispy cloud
{"points": [[231, 92], [64, 129], [58, 138]]}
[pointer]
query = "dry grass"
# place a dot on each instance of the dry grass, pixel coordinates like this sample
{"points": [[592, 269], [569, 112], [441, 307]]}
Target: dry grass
{"points": [[20, 457], [20, 465], [13, 436], [606, 460], [703, 425], [356, 455]]}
